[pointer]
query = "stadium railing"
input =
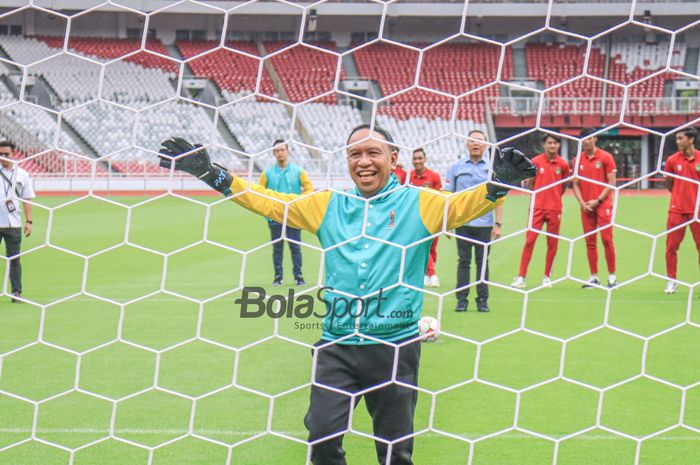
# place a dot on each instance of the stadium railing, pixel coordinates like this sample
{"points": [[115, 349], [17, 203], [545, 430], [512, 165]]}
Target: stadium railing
{"points": [[594, 105]]}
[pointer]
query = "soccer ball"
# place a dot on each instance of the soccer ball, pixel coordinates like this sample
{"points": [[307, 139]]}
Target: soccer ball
{"points": [[428, 329]]}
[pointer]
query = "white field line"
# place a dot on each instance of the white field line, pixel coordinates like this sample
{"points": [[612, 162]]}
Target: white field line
{"points": [[300, 433]]}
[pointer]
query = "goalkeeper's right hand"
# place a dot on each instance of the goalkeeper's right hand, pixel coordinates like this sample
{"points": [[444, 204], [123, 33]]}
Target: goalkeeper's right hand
{"points": [[197, 163]]}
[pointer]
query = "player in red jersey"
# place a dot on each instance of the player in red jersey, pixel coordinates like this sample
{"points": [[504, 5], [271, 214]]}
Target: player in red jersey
{"points": [[595, 164], [551, 168], [684, 199], [423, 177], [398, 170]]}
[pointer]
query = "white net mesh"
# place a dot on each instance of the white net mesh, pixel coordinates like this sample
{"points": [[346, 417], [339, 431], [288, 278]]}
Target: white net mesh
{"points": [[129, 347]]}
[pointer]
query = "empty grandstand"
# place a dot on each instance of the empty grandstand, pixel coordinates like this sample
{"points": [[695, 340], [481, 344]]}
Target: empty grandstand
{"points": [[107, 98]]}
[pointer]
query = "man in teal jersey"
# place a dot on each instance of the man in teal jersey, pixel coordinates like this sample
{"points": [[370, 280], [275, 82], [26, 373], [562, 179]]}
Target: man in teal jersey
{"points": [[362, 232], [288, 178]]}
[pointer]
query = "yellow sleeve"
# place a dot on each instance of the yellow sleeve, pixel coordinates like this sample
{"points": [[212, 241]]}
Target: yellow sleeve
{"points": [[303, 212], [462, 207], [306, 185], [263, 180]]}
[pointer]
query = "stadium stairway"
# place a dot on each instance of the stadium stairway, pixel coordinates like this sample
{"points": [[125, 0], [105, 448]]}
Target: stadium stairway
{"points": [[279, 88], [44, 93], [7, 68], [10, 84], [86, 148], [349, 64], [269, 67], [519, 63], [351, 71], [229, 137], [692, 61], [174, 52]]}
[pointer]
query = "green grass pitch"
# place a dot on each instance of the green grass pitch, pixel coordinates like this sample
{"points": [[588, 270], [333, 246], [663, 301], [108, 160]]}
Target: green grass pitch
{"points": [[603, 358]]}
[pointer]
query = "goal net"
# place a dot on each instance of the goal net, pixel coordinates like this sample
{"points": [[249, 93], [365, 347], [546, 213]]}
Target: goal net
{"points": [[128, 343]]}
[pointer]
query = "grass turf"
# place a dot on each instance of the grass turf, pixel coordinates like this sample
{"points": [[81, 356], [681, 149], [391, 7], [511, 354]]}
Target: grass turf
{"points": [[541, 343]]}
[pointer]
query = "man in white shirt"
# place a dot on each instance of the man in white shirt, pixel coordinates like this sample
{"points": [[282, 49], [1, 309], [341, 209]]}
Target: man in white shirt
{"points": [[16, 188]]}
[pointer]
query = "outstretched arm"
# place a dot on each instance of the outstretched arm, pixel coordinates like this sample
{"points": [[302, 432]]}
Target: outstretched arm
{"points": [[510, 167], [462, 207], [303, 212]]}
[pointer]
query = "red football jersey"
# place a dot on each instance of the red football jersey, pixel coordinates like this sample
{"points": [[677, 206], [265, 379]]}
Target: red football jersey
{"points": [[596, 168], [400, 175], [429, 178], [684, 194], [549, 172]]}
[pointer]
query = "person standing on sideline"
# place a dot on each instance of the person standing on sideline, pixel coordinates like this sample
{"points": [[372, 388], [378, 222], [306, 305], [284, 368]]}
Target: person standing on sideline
{"points": [[551, 168], [596, 203], [684, 200], [17, 187], [286, 178], [421, 176], [463, 175]]}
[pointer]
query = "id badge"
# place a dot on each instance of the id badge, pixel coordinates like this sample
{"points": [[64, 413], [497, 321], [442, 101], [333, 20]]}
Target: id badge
{"points": [[10, 206]]}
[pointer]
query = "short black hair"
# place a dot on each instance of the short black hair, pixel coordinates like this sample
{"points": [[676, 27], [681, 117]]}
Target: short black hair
{"points": [[585, 132], [376, 128], [278, 142], [551, 136], [479, 131], [7, 143], [690, 132], [421, 150]]}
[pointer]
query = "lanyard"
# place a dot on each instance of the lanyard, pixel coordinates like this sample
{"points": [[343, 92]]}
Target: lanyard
{"points": [[7, 182]]}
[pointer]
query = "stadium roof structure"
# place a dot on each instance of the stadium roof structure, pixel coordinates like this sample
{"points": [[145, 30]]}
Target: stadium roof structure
{"points": [[420, 8]]}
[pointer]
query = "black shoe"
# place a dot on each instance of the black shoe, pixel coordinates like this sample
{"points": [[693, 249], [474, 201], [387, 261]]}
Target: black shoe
{"points": [[591, 283], [300, 281], [461, 306], [277, 281], [15, 300], [482, 307]]}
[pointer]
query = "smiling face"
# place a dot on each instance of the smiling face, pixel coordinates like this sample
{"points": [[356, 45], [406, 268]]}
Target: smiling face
{"points": [[369, 161], [418, 160]]}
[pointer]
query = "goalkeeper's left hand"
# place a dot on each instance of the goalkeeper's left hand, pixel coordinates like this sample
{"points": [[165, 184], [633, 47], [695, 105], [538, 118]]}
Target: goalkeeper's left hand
{"points": [[511, 167], [197, 163]]}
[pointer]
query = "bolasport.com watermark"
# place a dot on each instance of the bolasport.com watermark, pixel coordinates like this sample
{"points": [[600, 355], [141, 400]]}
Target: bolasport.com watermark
{"points": [[256, 303]]}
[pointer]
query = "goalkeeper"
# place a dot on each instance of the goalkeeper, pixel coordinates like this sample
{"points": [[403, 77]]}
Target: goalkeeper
{"points": [[379, 207]]}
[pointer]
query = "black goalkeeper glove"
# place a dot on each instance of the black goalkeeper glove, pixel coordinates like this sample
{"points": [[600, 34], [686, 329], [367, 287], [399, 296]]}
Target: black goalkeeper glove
{"points": [[510, 166], [197, 163]]}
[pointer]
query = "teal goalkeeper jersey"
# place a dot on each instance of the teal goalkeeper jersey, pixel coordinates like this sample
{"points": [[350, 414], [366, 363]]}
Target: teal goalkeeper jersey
{"points": [[365, 265], [373, 285]]}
